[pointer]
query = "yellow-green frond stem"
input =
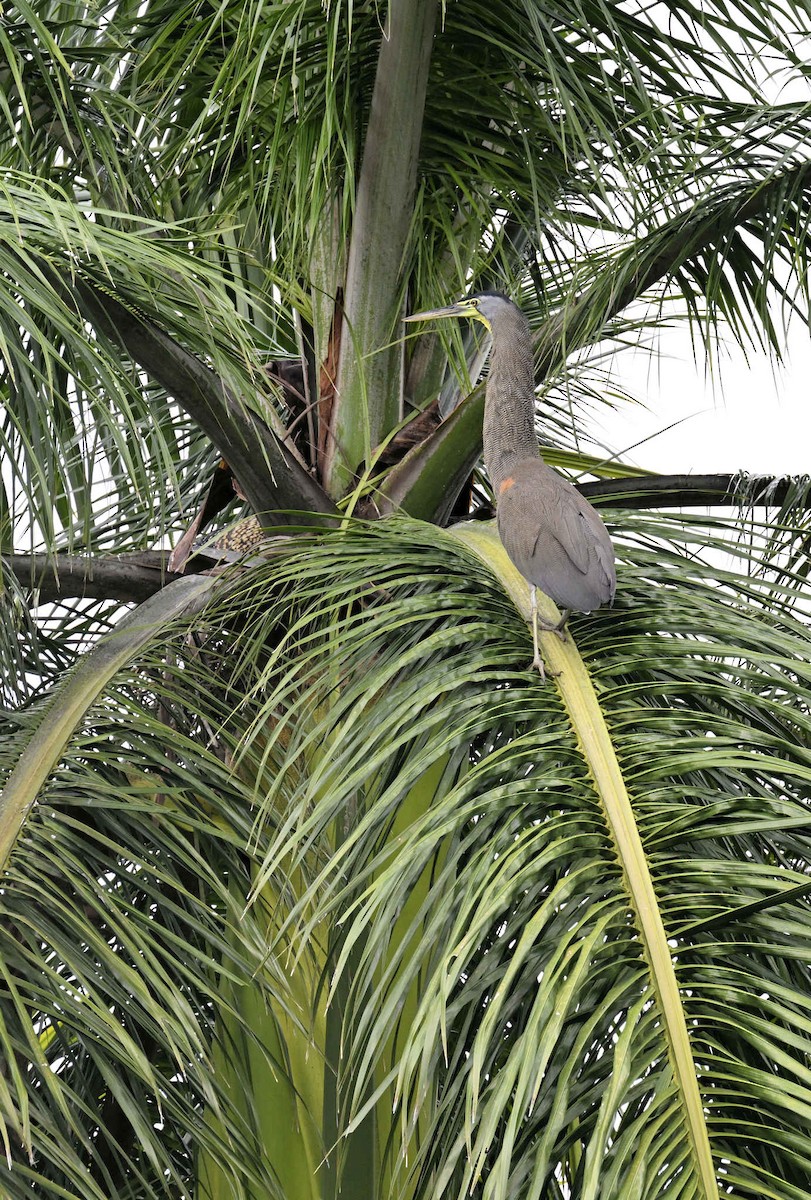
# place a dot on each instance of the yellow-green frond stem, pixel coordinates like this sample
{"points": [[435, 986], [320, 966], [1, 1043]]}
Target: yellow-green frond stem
{"points": [[577, 691]]}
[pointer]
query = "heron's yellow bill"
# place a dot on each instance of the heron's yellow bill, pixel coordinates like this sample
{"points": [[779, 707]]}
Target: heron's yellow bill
{"points": [[463, 309]]}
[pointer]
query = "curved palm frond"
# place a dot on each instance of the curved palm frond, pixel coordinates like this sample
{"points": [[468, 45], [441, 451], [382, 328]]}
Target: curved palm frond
{"points": [[512, 837], [107, 430], [241, 124], [425, 810]]}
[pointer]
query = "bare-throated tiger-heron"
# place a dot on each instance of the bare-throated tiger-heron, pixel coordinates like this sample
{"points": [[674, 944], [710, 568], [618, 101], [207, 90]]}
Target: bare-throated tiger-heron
{"points": [[552, 534]]}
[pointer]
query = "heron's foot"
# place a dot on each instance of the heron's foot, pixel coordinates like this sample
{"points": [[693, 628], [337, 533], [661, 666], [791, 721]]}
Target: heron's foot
{"points": [[558, 627], [537, 664]]}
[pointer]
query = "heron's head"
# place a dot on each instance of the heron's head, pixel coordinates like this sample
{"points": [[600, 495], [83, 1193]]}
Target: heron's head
{"points": [[483, 306]]}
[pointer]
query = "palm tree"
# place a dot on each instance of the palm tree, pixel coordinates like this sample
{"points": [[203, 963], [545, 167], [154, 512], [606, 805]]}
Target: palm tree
{"points": [[311, 887]]}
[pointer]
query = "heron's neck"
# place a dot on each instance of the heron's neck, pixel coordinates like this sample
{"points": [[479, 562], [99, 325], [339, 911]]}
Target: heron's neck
{"points": [[509, 408]]}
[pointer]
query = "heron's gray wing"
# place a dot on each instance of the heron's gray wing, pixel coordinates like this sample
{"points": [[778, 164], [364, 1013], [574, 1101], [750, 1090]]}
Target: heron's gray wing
{"points": [[555, 537], [604, 549], [584, 540], [569, 525]]}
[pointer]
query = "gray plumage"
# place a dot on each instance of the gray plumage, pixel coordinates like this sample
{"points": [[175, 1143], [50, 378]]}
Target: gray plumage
{"points": [[555, 538], [552, 534]]}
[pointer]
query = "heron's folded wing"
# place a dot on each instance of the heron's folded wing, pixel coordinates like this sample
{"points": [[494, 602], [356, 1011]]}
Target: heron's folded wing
{"points": [[568, 525]]}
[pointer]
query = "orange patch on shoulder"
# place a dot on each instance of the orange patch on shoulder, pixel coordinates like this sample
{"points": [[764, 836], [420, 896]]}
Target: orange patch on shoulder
{"points": [[505, 485]]}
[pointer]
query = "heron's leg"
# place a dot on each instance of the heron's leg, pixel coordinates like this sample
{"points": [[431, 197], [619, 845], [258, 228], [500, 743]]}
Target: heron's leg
{"points": [[538, 623], [537, 661]]}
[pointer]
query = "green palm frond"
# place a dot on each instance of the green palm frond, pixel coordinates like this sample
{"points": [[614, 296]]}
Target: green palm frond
{"points": [[319, 890], [241, 124], [665, 645], [122, 1033], [394, 773], [108, 432]]}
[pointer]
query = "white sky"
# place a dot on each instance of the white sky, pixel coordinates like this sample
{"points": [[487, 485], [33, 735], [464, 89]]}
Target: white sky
{"points": [[751, 416]]}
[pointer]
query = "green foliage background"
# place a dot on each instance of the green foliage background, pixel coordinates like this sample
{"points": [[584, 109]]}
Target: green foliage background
{"points": [[311, 888]]}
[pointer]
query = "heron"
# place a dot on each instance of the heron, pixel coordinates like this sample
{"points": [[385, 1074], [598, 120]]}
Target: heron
{"points": [[550, 532]]}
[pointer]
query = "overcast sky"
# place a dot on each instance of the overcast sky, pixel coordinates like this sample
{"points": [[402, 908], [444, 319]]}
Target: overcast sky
{"points": [[755, 417], [751, 416]]}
